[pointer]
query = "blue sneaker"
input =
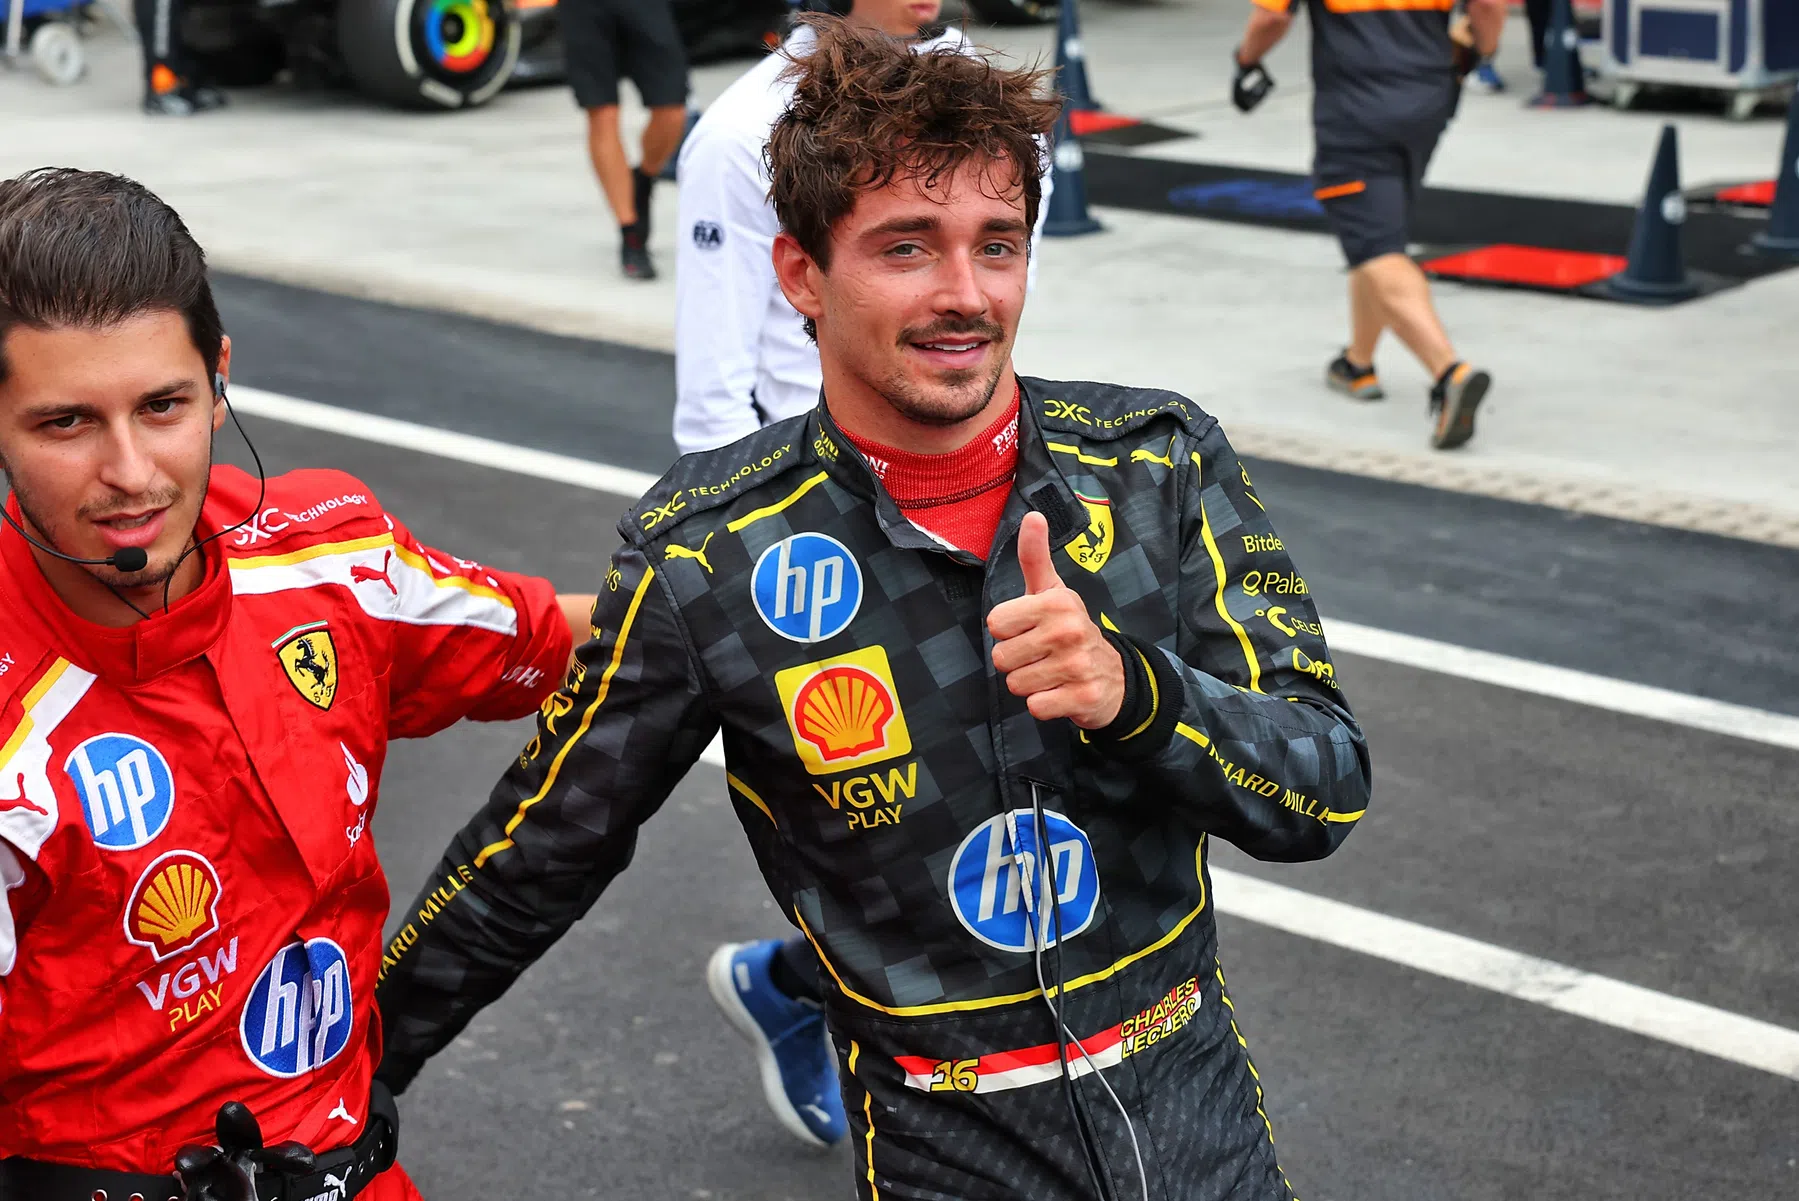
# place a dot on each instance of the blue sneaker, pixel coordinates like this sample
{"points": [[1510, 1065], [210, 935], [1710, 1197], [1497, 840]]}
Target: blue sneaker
{"points": [[1487, 78], [799, 1069]]}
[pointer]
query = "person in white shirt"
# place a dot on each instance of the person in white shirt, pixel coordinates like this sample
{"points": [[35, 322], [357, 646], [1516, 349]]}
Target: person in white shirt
{"points": [[742, 357]]}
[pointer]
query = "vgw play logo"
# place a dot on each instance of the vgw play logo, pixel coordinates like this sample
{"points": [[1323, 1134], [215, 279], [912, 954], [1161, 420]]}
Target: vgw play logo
{"points": [[807, 587], [299, 1014], [999, 882], [127, 791]]}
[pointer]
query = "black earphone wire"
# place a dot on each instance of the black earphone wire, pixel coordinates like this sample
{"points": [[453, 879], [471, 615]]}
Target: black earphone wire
{"points": [[262, 494]]}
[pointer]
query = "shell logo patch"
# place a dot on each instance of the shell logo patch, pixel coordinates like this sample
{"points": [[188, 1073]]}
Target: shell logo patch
{"points": [[309, 657], [174, 907], [844, 712], [1094, 546]]}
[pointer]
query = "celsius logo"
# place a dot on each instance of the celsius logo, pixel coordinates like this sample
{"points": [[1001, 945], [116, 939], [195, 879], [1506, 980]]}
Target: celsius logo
{"points": [[127, 791], [995, 881], [807, 587], [174, 906], [298, 1017]]}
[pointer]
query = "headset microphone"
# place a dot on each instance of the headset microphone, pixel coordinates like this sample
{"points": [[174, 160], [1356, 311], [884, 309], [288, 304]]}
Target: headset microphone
{"points": [[128, 559]]}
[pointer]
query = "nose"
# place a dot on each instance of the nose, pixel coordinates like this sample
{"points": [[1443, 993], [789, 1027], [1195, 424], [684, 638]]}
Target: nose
{"points": [[958, 288], [127, 466]]}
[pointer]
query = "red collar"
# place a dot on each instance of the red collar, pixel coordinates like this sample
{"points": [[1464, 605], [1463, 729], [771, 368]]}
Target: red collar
{"points": [[136, 653], [920, 481]]}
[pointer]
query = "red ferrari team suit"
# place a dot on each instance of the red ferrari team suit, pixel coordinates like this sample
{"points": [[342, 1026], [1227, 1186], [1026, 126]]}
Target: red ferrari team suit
{"points": [[193, 905]]}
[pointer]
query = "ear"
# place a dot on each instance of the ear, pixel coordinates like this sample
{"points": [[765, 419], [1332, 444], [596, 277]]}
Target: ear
{"points": [[218, 401], [798, 276]]}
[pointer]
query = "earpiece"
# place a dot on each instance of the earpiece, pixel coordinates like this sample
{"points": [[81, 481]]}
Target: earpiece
{"points": [[218, 384]]}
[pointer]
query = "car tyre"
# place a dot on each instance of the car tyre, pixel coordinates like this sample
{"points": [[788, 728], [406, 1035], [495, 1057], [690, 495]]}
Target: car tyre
{"points": [[1013, 12], [428, 54]]}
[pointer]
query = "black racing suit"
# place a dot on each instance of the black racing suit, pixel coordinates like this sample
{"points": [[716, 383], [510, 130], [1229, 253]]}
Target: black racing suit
{"points": [[890, 784]]}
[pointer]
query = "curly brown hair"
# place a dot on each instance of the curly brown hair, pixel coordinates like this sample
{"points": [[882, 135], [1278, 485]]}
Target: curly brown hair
{"points": [[868, 110]]}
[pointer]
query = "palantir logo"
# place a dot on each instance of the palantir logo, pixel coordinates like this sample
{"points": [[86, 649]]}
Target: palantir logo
{"points": [[127, 791], [807, 587], [299, 1014], [997, 880]]}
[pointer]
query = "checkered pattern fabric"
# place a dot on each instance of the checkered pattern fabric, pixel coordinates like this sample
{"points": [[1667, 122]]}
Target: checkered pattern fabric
{"points": [[873, 769]]}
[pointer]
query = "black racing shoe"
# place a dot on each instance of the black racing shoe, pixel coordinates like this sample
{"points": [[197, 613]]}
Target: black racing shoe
{"points": [[634, 254], [1358, 383], [1452, 404]]}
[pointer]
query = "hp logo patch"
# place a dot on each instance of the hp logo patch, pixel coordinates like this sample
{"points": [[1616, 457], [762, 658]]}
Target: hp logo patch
{"points": [[996, 883], [299, 1015], [807, 587], [127, 791]]}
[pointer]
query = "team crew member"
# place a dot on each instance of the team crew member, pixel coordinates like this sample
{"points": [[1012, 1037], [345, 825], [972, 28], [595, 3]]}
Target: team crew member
{"points": [[637, 40], [979, 738], [200, 674], [742, 359], [1386, 79], [170, 89]]}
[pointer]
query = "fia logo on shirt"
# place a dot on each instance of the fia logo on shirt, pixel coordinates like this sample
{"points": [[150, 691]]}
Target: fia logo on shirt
{"points": [[299, 1015], [127, 791], [807, 587], [708, 235]]}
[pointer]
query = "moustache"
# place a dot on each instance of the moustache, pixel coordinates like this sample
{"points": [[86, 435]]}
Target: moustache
{"points": [[101, 510], [943, 329]]}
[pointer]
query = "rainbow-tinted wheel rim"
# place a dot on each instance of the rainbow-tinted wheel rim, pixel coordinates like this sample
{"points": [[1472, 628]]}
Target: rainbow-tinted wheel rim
{"points": [[459, 34]]}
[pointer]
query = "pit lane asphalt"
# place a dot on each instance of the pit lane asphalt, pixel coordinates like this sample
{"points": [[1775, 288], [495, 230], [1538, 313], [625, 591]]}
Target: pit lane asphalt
{"points": [[1644, 851]]}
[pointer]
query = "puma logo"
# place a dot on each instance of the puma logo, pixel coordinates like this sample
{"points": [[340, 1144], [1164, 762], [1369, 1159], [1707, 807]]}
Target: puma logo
{"points": [[1144, 456], [22, 801], [360, 574], [699, 556]]}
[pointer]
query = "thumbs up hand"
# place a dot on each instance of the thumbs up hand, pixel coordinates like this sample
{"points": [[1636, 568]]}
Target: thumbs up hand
{"points": [[1048, 648]]}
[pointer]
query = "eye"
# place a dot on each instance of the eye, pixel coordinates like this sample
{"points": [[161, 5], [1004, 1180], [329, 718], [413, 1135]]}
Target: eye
{"points": [[906, 250], [67, 421], [163, 405]]}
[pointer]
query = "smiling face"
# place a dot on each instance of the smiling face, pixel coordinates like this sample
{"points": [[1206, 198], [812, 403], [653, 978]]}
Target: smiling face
{"points": [[106, 439], [919, 308]]}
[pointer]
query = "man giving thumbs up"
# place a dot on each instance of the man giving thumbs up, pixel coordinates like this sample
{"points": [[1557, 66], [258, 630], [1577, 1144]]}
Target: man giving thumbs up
{"points": [[994, 659]]}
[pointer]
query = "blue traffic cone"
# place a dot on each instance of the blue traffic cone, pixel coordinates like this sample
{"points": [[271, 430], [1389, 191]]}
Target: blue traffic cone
{"points": [[1657, 272], [1068, 213], [1781, 238], [1071, 59], [1564, 79]]}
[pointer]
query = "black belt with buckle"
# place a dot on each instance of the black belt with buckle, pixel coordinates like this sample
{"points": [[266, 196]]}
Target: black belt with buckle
{"points": [[337, 1176]]}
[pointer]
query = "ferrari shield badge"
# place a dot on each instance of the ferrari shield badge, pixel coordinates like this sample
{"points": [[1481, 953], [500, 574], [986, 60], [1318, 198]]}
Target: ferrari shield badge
{"points": [[310, 659], [1094, 546]]}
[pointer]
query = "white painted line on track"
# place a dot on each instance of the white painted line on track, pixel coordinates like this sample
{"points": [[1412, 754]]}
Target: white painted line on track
{"points": [[445, 444], [1682, 1023], [1599, 692]]}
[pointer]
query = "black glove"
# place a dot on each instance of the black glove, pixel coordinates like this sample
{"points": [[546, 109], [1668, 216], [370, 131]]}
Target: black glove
{"points": [[1250, 86], [228, 1171]]}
